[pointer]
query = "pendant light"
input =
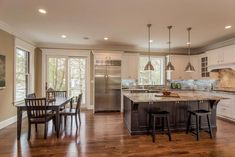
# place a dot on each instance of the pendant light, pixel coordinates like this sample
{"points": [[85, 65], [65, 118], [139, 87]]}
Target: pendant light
{"points": [[169, 66], [189, 67], [149, 65]]}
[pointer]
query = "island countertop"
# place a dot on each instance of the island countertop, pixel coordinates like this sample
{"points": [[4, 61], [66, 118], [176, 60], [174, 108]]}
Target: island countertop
{"points": [[183, 96]]}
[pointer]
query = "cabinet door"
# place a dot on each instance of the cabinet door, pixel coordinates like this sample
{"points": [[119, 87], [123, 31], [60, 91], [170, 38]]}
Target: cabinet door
{"points": [[130, 65], [213, 57], [229, 54]]}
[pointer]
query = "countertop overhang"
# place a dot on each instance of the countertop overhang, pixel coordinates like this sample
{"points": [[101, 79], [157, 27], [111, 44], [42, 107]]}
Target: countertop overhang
{"points": [[183, 96]]}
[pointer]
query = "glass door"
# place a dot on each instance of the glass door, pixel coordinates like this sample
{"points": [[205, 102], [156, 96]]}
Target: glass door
{"points": [[77, 77], [57, 73], [67, 73]]}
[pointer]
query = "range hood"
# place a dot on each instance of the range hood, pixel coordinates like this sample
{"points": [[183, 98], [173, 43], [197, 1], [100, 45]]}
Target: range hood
{"points": [[215, 68]]}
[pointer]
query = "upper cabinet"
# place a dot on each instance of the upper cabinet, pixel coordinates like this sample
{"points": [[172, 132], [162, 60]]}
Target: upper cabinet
{"points": [[130, 66], [107, 55], [222, 55]]}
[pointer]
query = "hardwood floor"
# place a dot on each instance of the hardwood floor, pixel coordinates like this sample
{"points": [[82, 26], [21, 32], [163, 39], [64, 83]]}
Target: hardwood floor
{"points": [[105, 135]]}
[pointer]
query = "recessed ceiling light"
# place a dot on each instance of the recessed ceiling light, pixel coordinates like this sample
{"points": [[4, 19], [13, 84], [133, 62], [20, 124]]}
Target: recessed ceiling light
{"points": [[227, 27], [150, 41], [63, 36], [188, 43], [106, 38], [43, 11]]}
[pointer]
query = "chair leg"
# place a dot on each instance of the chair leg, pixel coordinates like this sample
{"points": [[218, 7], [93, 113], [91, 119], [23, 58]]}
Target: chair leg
{"points": [[79, 116], [197, 127], [76, 120], [188, 123], [36, 127], [65, 121], [209, 125], [153, 131], [168, 127], [29, 130], [71, 121], [45, 130]]}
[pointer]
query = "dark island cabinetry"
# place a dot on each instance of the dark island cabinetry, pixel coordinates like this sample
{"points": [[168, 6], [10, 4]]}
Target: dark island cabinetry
{"points": [[136, 114]]}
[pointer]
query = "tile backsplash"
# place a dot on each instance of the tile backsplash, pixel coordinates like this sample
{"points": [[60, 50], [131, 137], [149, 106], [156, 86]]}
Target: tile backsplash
{"points": [[226, 78]]}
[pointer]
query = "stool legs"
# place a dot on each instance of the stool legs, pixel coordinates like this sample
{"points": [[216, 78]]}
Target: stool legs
{"points": [[197, 127], [168, 128], [153, 131], [198, 124], [188, 123], [209, 125], [162, 127]]}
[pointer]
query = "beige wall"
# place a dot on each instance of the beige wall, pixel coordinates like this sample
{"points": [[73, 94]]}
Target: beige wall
{"points": [[38, 72], [7, 110]]}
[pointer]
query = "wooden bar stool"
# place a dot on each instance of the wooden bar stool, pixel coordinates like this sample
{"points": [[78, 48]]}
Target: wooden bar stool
{"points": [[199, 114], [162, 115]]}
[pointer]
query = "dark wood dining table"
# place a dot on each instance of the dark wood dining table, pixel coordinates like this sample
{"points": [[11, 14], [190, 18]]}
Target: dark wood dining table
{"points": [[55, 106]]}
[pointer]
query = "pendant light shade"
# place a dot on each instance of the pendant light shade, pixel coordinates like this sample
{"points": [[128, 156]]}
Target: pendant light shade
{"points": [[189, 67], [149, 65], [169, 66]]}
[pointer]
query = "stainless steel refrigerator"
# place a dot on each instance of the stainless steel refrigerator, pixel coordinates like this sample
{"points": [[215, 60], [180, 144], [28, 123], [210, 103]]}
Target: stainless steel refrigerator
{"points": [[107, 85]]}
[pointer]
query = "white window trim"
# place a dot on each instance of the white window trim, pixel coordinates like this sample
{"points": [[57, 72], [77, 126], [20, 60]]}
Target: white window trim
{"points": [[29, 48], [164, 66], [68, 53]]}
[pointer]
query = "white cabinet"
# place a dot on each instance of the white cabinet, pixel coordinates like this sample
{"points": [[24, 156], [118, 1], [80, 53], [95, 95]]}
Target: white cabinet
{"points": [[222, 55], [226, 107], [130, 66], [107, 55]]}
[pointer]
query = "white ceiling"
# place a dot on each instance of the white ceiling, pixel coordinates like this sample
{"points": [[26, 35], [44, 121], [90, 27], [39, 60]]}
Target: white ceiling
{"points": [[123, 21]]}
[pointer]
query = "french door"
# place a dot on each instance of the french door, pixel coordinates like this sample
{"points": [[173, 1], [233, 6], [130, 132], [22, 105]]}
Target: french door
{"points": [[68, 73]]}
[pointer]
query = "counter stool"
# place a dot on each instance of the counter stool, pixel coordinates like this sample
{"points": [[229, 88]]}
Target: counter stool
{"points": [[162, 115], [199, 114]]}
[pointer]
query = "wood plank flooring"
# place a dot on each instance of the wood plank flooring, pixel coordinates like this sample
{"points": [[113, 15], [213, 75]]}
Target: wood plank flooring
{"points": [[105, 135]]}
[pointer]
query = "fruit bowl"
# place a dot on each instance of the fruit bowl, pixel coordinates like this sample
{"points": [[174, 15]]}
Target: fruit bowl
{"points": [[166, 93]]}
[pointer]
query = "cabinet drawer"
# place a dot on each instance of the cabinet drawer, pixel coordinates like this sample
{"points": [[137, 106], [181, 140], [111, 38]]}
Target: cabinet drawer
{"points": [[224, 111]]}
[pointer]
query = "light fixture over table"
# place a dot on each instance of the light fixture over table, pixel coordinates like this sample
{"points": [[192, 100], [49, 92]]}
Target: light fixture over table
{"points": [[149, 65], [189, 67], [169, 66]]}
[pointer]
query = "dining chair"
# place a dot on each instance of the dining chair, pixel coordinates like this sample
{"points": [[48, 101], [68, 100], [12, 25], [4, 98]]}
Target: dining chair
{"points": [[38, 114], [32, 95], [73, 111]]}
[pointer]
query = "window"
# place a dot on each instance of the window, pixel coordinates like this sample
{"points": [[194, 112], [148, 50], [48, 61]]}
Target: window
{"points": [[204, 71], [21, 74], [155, 77]]}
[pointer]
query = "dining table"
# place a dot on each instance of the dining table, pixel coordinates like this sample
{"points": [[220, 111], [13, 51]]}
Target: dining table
{"points": [[55, 106]]}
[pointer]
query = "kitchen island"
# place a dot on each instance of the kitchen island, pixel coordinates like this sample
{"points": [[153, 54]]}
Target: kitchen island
{"points": [[137, 107]]}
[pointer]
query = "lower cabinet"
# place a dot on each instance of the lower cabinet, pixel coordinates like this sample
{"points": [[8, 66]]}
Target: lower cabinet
{"points": [[226, 107]]}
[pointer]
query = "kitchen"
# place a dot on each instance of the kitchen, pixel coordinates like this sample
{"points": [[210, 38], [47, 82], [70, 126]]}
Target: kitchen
{"points": [[131, 81]]}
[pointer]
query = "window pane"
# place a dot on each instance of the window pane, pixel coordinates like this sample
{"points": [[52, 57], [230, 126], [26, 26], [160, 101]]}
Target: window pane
{"points": [[21, 74], [77, 77], [57, 73], [155, 77]]}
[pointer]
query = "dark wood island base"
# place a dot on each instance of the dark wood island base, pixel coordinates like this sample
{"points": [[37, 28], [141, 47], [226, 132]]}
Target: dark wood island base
{"points": [[136, 114]]}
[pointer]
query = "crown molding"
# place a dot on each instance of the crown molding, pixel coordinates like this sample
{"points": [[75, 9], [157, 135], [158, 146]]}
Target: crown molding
{"points": [[125, 48], [214, 45], [18, 34]]}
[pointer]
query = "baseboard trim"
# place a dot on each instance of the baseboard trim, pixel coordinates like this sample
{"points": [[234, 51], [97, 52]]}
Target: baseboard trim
{"points": [[10, 121]]}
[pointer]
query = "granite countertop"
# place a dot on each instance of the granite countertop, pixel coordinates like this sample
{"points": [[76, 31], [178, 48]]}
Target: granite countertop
{"points": [[183, 96]]}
